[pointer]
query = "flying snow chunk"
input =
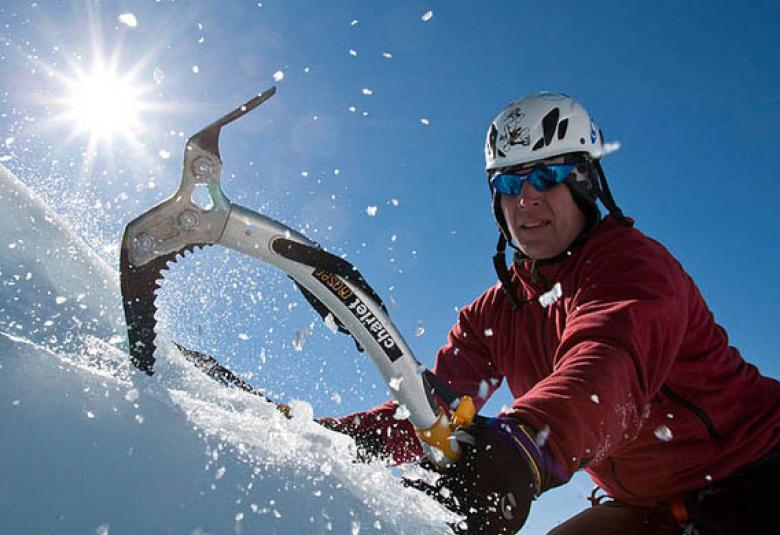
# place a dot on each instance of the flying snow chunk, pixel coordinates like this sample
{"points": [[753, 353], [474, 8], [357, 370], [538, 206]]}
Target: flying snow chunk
{"points": [[128, 19], [164, 154], [60, 299], [663, 433], [420, 330], [278, 76], [132, 395], [158, 76], [611, 147], [354, 22], [594, 398], [352, 52], [394, 202], [395, 383], [298, 340], [483, 389], [387, 55], [402, 413], [428, 15], [367, 91], [9, 141], [424, 121], [243, 336], [551, 297], [488, 332], [542, 436], [371, 211], [330, 323], [195, 69]]}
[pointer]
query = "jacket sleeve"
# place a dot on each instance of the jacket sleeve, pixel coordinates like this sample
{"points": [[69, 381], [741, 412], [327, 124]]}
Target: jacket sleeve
{"points": [[463, 363], [624, 328]]}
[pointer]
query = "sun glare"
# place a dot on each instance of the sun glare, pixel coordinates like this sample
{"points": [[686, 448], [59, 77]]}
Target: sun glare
{"points": [[103, 105]]}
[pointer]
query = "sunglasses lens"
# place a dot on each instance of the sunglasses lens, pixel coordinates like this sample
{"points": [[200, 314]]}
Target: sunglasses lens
{"points": [[507, 184], [542, 178]]}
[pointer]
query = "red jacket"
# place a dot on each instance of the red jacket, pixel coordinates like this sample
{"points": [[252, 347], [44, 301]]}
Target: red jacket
{"points": [[628, 370]]}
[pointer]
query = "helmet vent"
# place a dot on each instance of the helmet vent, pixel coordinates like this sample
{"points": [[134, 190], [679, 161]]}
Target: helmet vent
{"points": [[562, 127], [539, 144], [549, 124]]}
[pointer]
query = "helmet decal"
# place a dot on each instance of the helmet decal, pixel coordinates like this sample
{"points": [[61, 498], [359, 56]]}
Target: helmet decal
{"points": [[550, 123], [562, 127], [592, 132], [514, 132]]}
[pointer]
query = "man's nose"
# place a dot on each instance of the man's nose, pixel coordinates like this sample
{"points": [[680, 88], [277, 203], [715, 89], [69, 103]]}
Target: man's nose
{"points": [[529, 195]]}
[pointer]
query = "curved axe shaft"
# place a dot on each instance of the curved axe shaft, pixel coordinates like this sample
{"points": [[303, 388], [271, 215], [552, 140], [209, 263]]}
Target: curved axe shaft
{"points": [[331, 284]]}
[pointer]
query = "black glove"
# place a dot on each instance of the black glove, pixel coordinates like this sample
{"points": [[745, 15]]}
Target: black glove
{"points": [[493, 483]]}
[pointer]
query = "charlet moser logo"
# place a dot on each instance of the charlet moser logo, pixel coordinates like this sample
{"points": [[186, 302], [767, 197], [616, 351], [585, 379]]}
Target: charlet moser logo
{"points": [[359, 309]]}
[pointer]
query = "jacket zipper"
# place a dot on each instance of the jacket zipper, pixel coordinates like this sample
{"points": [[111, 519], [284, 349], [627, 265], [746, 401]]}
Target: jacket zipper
{"points": [[695, 409]]}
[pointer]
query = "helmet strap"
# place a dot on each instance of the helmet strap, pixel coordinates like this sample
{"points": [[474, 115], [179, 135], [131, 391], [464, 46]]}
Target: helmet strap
{"points": [[605, 195], [507, 284]]}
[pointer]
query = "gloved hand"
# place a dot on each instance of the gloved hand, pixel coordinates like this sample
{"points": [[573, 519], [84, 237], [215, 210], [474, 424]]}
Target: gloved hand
{"points": [[493, 483]]}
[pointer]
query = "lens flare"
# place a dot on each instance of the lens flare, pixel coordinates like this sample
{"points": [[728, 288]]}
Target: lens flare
{"points": [[103, 105]]}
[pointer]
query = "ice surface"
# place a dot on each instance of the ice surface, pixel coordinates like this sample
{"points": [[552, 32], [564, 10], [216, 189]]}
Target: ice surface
{"points": [[99, 447]]}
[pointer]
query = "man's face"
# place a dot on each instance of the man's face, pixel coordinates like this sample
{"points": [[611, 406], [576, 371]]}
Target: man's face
{"points": [[543, 223]]}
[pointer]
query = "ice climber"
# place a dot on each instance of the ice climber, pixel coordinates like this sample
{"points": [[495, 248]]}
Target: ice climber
{"points": [[614, 359]]}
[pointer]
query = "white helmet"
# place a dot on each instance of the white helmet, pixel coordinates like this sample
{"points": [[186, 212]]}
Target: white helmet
{"points": [[541, 126]]}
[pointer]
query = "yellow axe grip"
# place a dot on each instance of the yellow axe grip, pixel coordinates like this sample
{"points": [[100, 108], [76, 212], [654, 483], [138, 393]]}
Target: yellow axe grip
{"points": [[439, 435]]}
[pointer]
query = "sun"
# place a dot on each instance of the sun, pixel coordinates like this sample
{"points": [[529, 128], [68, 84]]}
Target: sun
{"points": [[103, 105]]}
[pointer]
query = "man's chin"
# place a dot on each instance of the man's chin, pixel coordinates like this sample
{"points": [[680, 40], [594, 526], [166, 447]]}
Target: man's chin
{"points": [[535, 253]]}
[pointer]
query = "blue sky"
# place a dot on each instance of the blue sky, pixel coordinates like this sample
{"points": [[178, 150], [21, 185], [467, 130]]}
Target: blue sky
{"points": [[689, 90]]}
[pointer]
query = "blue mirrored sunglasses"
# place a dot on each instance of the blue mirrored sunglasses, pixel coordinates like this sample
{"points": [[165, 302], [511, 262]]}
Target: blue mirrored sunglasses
{"points": [[542, 178]]}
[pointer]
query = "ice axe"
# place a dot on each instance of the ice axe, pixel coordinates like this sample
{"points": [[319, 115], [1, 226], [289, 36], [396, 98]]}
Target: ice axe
{"points": [[334, 287]]}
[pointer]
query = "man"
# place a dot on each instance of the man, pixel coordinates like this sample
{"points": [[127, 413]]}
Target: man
{"points": [[614, 359]]}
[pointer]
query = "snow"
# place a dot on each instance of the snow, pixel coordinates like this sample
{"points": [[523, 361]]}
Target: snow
{"points": [[551, 297], [128, 19], [663, 433], [98, 447], [428, 15], [278, 76]]}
